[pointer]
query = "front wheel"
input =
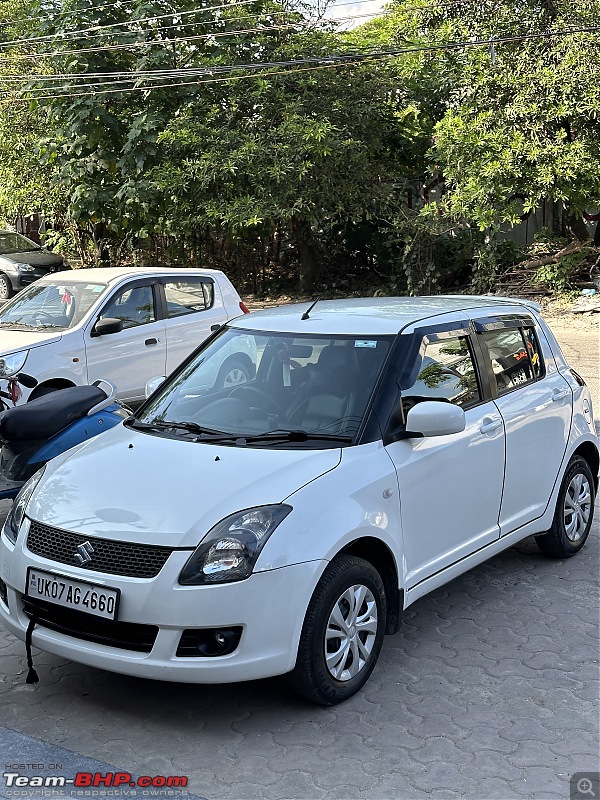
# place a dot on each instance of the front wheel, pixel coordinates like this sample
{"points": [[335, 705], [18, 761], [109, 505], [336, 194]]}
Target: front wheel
{"points": [[342, 634], [574, 512], [6, 290]]}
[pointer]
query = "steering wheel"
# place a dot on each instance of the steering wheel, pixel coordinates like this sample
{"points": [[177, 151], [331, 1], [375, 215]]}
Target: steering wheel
{"points": [[37, 314], [266, 402]]}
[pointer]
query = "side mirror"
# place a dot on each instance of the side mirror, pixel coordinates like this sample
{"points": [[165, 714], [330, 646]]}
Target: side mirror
{"points": [[107, 325], [153, 385], [435, 418]]}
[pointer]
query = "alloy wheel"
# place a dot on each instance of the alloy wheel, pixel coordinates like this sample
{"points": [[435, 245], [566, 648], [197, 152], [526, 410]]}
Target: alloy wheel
{"points": [[577, 507], [350, 632]]}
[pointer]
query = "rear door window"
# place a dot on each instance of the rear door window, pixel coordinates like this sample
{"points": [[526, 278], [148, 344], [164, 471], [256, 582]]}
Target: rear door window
{"points": [[515, 357], [188, 296]]}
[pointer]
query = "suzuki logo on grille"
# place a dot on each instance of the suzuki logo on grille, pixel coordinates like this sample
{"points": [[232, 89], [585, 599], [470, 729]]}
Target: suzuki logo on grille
{"points": [[84, 553]]}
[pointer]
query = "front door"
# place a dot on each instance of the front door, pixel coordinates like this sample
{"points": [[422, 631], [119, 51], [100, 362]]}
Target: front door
{"points": [[450, 486], [135, 354]]}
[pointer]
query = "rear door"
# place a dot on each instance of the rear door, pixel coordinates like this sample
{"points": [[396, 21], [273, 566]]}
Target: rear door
{"points": [[192, 306], [536, 404], [135, 354]]}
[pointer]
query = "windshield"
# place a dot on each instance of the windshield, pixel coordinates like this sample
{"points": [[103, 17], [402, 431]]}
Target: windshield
{"points": [[15, 243], [258, 387], [41, 306]]}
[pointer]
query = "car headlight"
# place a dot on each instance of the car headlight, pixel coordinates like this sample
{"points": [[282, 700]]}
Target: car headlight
{"points": [[25, 268], [17, 512], [10, 365], [229, 551]]}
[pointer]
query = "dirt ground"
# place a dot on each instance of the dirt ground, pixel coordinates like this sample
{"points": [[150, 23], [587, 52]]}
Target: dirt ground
{"points": [[579, 338]]}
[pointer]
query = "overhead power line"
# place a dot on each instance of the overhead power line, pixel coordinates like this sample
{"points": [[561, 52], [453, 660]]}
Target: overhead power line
{"points": [[132, 21], [288, 67], [97, 30], [185, 39]]}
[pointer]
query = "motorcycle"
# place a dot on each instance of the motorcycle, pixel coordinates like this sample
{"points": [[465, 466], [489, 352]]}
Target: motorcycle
{"points": [[33, 433]]}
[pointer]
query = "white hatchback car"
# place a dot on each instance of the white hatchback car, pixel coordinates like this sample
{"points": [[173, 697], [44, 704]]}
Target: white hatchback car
{"points": [[381, 448], [124, 325]]}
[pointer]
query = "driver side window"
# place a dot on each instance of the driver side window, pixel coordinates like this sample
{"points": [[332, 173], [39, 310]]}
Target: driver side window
{"points": [[134, 305], [447, 373]]}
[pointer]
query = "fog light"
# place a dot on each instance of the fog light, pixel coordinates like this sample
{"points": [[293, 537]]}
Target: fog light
{"points": [[207, 642], [3, 592]]}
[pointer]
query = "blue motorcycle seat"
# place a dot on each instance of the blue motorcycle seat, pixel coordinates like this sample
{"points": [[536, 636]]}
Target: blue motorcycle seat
{"points": [[43, 418]]}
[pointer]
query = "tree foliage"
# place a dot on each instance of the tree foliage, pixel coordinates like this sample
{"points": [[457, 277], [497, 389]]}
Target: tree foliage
{"points": [[311, 167]]}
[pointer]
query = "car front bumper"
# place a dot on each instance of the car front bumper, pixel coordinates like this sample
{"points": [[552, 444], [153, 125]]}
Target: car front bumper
{"points": [[269, 607]]}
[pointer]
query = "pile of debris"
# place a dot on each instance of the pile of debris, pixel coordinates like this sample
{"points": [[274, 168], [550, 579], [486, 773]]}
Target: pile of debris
{"points": [[522, 279]]}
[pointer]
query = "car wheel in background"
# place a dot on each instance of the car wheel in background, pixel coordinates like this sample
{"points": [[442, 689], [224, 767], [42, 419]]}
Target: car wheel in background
{"points": [[574, 512], [342, 633], [6, 290], [232, 373]]}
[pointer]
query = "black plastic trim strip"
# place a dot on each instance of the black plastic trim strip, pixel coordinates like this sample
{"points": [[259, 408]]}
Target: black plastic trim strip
{"points": [[504, 321]]}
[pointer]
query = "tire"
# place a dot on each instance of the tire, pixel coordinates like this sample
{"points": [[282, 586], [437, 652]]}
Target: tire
{"points": [[574, 512], [6, 289], [345, 579], [232, 373]]}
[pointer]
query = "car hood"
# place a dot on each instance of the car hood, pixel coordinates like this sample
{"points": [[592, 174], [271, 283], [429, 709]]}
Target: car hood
{"points": [[37, 258], [138, 487], [14, 341]]}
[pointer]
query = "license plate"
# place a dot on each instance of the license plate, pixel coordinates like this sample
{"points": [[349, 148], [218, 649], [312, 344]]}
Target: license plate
{"points": [[77, 595]]}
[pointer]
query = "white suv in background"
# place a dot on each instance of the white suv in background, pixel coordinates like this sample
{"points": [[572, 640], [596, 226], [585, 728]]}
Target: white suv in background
{"points": [[124, 325]]}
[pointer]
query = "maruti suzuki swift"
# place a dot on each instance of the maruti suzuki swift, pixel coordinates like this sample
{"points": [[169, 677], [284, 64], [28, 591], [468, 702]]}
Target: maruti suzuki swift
{"points": [[380, 448]]}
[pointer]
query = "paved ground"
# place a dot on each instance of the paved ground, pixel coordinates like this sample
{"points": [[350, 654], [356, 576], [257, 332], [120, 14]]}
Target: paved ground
{"points": [[488, 692]]}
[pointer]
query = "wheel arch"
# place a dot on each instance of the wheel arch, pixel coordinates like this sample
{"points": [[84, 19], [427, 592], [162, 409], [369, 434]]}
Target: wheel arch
{"points": [[589, 452], [52, 384], [379, 555]]}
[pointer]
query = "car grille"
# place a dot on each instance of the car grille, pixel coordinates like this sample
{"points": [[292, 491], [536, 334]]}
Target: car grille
{"points": [[125, 635], [116, 558]]}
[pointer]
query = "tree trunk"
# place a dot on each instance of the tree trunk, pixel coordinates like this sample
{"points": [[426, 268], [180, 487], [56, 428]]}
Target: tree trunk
{"points": [[100, 242], [309, 261], [576, 226]]}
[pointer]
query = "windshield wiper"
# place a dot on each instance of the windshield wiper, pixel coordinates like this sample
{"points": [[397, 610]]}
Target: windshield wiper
{"points": [[18, 326], [160, 424], [292, 436]]}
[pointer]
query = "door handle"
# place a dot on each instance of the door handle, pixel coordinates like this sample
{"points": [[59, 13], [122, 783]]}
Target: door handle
{"points": [[150, 341], [560, 394], [490, 424]]}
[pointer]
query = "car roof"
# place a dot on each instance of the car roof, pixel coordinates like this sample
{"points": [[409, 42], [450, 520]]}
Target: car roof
{"points": [[374, 315], [111, 274]]}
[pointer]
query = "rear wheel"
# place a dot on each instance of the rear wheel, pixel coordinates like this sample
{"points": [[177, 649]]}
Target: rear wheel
{"points": [[574, 512], [342, 634], [6, 290]]}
